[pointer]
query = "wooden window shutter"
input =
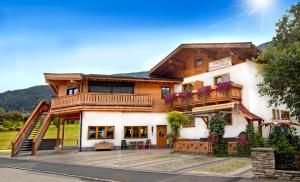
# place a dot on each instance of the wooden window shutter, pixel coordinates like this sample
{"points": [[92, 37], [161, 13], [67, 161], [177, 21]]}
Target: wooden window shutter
{"points": [[197, 85]]}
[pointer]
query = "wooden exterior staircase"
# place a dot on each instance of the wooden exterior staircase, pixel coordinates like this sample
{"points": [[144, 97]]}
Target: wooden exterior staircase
{"points": [[23, 143]]}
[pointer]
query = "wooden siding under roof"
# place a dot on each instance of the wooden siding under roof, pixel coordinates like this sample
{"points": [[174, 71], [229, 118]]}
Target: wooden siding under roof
{"points": [[183, 58]]}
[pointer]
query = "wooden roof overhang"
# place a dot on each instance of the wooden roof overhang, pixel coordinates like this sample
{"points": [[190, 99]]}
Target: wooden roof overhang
{"points": [[113, 78], [176, 59], [55, 79]]}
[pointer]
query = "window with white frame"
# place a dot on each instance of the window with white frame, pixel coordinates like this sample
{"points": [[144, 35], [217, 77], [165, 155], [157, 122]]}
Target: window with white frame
{"points": [[278, 114]]}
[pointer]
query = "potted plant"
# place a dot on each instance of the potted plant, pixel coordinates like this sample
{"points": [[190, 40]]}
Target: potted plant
{"points": [[176, 120]]}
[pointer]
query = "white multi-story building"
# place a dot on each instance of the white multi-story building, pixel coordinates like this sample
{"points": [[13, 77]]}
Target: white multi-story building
{"points": [[131, 110]]}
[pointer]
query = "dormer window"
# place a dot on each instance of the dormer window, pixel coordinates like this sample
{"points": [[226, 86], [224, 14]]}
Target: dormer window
{"points": [[198, 63]]}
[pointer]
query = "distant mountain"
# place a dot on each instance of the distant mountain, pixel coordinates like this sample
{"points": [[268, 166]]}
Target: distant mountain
{"points": [[25, 100], [264, 45]]}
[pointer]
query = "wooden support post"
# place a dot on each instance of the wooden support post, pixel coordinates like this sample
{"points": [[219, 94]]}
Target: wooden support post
{"points": [[63, 134], [58, 134]]}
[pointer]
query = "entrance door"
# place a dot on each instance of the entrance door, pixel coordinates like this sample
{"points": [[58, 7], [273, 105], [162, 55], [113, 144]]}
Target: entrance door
{"points": [[161, 135]]}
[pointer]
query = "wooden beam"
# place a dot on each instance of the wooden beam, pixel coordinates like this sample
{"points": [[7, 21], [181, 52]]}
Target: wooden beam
{"points": [[205, 119]]}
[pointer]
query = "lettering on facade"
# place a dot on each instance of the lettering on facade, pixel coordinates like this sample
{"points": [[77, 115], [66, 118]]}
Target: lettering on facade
{"points": [[221, 63]]}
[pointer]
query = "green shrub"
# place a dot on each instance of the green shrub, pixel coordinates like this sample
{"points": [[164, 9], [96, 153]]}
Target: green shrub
{"points": [[278, 140], [7, 124], [259, 141], [18, 125], [250, 133]]}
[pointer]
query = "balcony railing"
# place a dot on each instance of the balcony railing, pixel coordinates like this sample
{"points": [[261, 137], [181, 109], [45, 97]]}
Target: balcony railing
{"points": [[97, 99], [233, 94]]}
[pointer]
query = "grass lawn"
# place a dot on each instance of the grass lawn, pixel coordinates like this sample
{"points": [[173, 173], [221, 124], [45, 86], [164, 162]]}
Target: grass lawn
{"points": [[226, 167], [71, 136]]}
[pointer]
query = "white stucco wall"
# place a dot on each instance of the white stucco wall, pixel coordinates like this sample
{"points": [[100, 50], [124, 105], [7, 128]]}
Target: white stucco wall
{"points": [[200, 130], [119, 120]]}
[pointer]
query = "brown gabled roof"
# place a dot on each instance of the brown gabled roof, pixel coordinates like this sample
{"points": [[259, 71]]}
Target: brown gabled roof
{"points": [[233, 45]]}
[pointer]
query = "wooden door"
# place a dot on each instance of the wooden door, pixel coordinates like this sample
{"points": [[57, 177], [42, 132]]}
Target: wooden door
{"points": [[161, 135]]}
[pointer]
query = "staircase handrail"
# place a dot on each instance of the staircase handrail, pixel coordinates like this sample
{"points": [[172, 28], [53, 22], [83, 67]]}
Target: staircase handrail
{"points": [[25, 130], [41, 133]]}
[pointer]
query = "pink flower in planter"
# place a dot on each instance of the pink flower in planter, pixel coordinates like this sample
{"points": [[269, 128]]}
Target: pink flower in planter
{"points": [[223, 87], [185, 94], [169, 98], [205, 91]]}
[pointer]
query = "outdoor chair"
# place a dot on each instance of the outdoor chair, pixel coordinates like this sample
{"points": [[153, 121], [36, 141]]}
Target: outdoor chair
{"points": [[148, 143], [123, 145]]}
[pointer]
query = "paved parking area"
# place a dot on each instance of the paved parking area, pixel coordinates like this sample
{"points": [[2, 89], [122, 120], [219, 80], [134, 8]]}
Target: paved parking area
{"points": [[16, 175], [156, 160]]}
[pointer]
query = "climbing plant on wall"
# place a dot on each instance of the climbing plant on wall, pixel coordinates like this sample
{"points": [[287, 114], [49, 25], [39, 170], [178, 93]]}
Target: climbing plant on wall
{"points": [[216, 134]]}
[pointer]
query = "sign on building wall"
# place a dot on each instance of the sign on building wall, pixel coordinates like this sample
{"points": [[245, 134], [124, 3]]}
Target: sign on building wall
{"points": [[219, 63]]}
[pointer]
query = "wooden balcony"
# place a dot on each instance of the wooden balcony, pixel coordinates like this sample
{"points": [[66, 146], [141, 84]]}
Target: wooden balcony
{"points": [[215, 97], [101, 102]]}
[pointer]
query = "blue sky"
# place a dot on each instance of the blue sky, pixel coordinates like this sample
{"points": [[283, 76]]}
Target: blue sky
{"points": [[114, 36]]}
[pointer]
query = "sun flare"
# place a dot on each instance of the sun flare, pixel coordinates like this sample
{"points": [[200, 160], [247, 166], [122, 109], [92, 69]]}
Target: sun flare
{"points": [[261, 5]]}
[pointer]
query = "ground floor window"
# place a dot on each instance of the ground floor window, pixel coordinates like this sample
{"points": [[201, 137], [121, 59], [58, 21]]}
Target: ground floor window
{"points": [[135, 132], [191, 122], [228, 118], [101, 132]]}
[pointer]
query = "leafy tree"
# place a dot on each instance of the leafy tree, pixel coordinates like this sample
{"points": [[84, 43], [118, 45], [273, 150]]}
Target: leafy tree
{"points": [[281, 63], [2, 115], [14, 116], [176, 121]]}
